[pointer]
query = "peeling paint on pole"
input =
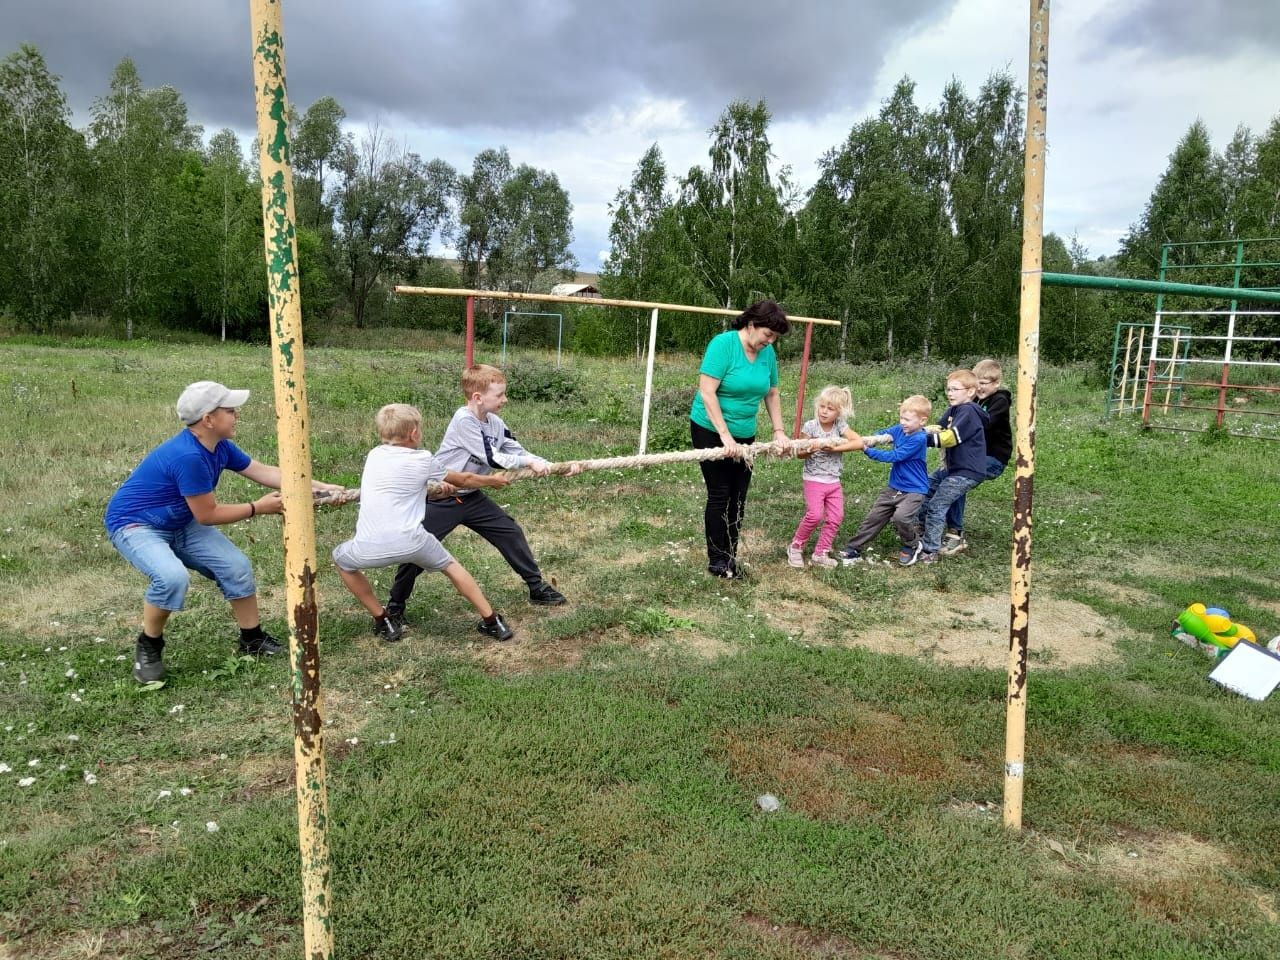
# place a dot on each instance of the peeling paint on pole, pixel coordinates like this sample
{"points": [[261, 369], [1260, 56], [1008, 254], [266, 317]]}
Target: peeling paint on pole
{"points": [[1028, 374], [280, 247]]}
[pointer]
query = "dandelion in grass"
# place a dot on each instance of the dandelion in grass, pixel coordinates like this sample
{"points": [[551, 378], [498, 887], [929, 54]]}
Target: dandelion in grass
{"points": [[90, 778], [211, 826], [26, 781], [5, 768]]}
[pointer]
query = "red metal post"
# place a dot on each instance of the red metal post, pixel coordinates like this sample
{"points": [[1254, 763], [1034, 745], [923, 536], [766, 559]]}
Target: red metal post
{"points": [[804, 376], [471, 331]]}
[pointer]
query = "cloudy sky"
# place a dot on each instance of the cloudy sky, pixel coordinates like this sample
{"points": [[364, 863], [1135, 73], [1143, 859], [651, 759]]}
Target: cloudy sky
{"points": [[583, 87]]}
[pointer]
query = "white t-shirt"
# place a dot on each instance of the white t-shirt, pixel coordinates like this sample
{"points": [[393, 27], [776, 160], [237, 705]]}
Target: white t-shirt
{"points": [[393, 495]]}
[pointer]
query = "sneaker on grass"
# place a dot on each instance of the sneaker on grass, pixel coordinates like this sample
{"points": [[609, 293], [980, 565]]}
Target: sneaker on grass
{"points": [[928, 558], [388, 628], [794, 557], [910, 555], [824, 559], [850, 556], [148, 659], [263, 645], [545, 595], [953, 545], [498, 630]]}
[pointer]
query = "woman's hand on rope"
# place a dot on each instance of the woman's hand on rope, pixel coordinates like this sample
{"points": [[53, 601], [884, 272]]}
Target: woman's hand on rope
{"points": [[782, 442], [731, 446]]}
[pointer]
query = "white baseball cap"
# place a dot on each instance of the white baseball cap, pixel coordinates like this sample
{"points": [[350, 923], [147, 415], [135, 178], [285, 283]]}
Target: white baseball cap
{"points": [[206, 396]]}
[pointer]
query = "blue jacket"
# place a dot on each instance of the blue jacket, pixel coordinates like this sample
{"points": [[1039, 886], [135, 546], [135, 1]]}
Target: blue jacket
{"points": [[909, 472]]}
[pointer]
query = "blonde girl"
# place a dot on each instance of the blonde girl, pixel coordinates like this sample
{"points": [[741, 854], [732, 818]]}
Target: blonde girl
{"points": [[823, 495]]}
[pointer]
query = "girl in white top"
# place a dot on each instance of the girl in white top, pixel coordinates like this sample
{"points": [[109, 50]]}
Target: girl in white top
{"points": [[389, 528], [823, 495]]}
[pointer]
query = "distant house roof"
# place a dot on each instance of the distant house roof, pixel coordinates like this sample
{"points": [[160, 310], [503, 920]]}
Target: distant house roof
{"points": [[574, 290]]}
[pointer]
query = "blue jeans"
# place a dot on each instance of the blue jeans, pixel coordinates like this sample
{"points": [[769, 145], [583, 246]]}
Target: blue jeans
{"points": [[955, 515], [944, 490], [164, 556]]}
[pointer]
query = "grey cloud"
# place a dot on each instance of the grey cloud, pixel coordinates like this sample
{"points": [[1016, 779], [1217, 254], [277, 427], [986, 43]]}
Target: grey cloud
{"points": [[532, 65], [1196, 28]]}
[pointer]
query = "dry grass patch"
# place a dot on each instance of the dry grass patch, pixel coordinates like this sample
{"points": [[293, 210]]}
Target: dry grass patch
{"points": [[973, 631], [805, 942], [818, 768], [1174, 877]]}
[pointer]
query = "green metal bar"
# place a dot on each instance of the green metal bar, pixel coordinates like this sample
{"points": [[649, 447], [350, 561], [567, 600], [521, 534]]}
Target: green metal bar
{"points": [[1222, 266], [1218, 243], [1128, 285]]}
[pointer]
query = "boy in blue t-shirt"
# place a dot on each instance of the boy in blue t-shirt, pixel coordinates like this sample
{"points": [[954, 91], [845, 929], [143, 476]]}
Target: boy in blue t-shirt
{"points": [[908, 483], [162, 519], [961, 432]]}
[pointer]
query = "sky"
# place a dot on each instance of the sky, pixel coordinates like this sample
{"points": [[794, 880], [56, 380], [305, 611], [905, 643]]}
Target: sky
{"points": [[583, 87]]}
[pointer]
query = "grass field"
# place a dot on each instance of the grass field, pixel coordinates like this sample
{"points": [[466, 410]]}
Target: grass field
{"points": [[588, 790]]}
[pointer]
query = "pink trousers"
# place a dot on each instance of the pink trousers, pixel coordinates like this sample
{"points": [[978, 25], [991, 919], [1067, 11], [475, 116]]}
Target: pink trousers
{"points": [[822, 501]]}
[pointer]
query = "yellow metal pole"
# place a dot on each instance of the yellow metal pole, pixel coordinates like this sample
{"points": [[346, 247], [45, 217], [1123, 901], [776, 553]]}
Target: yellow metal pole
{"points": [[1028, 373], [295, 467]]}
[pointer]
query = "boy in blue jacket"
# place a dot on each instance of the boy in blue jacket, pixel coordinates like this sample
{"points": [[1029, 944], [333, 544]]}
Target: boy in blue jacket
{"points": [[908, 483], [961, 433]]}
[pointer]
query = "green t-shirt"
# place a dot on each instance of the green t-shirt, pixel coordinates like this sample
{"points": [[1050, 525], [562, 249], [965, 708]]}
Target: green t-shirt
{"points": [[743, 383]]}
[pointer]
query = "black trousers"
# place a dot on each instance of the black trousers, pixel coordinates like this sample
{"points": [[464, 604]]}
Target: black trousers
{"points": [[476, 512], [727, 483]]}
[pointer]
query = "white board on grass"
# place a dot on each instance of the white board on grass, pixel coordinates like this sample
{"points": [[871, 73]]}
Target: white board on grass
{"points": [[1249, 670]]}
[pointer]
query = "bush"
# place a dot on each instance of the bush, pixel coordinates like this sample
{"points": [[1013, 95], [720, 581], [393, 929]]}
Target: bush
{"points": [[540, 382]]}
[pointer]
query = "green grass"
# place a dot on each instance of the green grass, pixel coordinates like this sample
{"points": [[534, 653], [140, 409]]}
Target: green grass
{"points": [[588, 791]]}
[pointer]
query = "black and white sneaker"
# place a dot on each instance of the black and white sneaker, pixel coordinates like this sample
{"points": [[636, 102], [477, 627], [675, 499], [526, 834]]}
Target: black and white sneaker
{"points": [[388, 628], [498, 630], [148, 659]]}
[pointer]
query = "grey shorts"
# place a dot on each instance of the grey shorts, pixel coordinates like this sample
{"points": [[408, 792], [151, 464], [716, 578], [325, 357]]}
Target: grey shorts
{"points": [[425, 551]]}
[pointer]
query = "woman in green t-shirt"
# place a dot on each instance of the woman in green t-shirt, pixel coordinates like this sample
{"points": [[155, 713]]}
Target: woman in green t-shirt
{"points": [[739, 369]]}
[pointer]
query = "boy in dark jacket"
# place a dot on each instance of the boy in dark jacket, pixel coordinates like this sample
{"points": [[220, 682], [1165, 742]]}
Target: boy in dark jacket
{"points": [[961, 433], [993, 398]]}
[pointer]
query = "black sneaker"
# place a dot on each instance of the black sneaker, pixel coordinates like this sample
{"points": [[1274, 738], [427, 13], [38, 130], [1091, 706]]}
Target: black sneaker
{"points": [[148, 659], [498, 629], [263, 645], [545, 595], [388, 628]]}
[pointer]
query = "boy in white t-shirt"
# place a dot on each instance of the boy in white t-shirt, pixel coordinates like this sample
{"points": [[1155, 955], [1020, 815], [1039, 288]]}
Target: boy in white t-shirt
{"points": [[389, 528]]}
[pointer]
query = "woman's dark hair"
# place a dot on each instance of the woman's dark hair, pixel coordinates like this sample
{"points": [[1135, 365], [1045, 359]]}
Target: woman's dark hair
{"points": [[763, 313]]}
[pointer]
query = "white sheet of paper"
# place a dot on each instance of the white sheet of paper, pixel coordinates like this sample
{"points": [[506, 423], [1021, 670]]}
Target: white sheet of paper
{"points": [[1249, 670]]}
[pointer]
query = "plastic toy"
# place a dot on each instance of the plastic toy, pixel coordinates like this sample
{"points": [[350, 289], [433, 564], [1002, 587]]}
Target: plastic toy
{"points": [[1210, 627]]}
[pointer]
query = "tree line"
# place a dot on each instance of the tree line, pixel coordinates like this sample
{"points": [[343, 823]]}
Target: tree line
{"points": [[911, 236], [136, 219]]}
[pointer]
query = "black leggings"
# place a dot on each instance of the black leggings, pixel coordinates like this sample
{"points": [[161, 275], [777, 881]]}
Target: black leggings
{"points": [[727, 483]]}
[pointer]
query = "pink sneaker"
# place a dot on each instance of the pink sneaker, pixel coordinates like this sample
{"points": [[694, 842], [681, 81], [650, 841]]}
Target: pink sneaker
{"points": [[794, 556], [824, 559]]}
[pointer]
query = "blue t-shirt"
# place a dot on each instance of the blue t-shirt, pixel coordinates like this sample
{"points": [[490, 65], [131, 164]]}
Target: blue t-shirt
{"points": [[909, 472], [743, 383], [155, 493]]}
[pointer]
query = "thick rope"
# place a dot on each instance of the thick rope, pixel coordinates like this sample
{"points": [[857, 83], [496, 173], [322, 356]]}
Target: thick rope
{"points": [[747, 452]]}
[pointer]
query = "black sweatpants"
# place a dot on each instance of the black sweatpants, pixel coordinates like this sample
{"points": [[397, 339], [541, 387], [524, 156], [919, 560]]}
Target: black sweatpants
{"points": [[727, 484], [476, 512]]}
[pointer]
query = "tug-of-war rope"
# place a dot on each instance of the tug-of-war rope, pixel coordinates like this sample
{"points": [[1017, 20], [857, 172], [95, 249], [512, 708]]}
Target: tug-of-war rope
{"points": [[748, 453]]}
